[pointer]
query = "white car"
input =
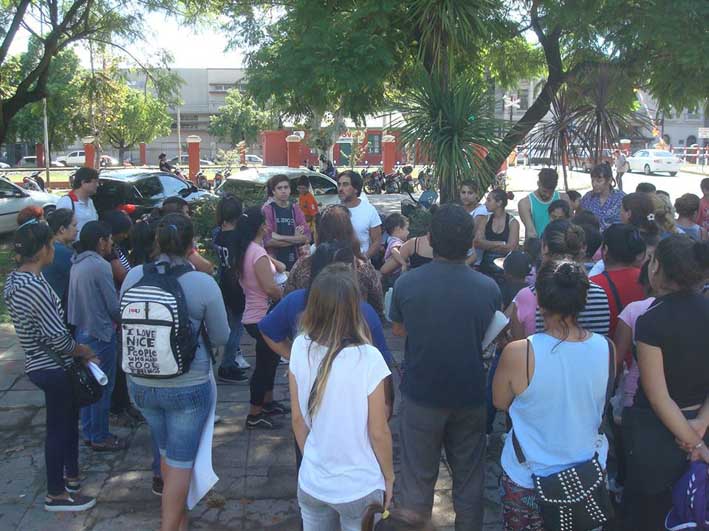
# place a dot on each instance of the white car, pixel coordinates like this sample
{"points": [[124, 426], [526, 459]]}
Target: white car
{"points": [[30, 161], [73, 158], [253, 159], [651, 161], [13, 199]]}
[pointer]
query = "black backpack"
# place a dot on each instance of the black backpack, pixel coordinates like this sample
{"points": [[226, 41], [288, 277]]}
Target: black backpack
{"points": [[157, 337]]}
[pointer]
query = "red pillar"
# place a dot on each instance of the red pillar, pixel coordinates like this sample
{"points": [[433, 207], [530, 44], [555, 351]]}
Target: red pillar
{"points": [[193, 142], [39, 153], [143, 155], [293, 151], [388, 153], [89, 152]]}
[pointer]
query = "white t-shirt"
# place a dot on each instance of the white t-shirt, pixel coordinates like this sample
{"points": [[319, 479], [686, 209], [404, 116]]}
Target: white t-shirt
{"points": [[480, 210], [339, 464], [364, 217], [84, 211]]}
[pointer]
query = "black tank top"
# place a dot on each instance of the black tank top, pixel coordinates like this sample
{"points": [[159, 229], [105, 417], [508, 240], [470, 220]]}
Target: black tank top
{"points": [[493, 236], [416, 260]]}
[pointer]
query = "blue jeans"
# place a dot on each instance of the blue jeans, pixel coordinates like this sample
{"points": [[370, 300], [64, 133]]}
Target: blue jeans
{"points": [[233, 344], [176, 416], [94, 418]]}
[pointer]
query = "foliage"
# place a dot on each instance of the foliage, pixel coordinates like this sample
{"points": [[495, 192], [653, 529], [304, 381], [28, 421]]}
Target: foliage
{"points": [[241, 118]]}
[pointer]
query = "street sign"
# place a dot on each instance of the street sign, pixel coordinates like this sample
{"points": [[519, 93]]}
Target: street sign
{"points": [[703, 132]]}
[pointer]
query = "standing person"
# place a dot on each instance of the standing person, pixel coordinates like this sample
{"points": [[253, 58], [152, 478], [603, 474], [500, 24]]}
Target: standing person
{"points": [[233, 365], [256, 276], [38, 318], [120, 225], [534, 209], [177, 408], [286, 227], [703, 215], [564, 365], [83, 188], [365, 219], [672, 404], [621, 166], [63, 225], [687, 208], [337, 389], [622, 250], [93, 310], [307, 202], [444, 308], [177, 205], [603, 200], [499, 236]]}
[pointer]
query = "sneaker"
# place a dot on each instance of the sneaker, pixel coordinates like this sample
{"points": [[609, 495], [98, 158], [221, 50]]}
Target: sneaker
{"points": [[241, 361], [261, 422], [232, 375], [157, 486], [73, 503], [276, 408], [283, 361]]}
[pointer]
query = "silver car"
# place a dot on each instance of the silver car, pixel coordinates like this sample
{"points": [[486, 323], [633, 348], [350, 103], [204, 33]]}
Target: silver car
{"points": [[13, 199]]}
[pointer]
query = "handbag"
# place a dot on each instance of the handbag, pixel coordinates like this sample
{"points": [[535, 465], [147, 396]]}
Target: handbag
{"points": [[576, 498], [85, 389]]}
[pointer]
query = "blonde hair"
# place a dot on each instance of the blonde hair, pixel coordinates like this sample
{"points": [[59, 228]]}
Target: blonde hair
{"points": [[333, 319], [664, 213]]}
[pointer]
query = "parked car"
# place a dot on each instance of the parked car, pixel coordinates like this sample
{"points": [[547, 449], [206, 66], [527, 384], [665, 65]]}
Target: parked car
{"points": [[13, 199], [251, 183], [185, 160], [137, 192], [73, 158], [253, 159], [30, 161], [585, 161], [650, 161], [108, 161]]}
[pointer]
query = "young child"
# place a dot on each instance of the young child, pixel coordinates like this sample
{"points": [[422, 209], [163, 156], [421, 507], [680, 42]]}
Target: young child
{"points": [[397, 227], [703, 215], [574, 200], [559, 209], [533, 249], [307, 202], [517, 267]]}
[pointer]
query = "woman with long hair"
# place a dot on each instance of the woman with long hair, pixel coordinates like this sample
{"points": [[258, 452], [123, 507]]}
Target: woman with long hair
{"points": [[554, 386], [338, 408], [38, 317], [499, 236], [177, 409], [63, 225], [256, 272], [335, 224], [603, 199]]}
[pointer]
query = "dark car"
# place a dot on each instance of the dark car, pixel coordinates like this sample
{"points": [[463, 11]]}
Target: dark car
{"points": [[137, 192]]}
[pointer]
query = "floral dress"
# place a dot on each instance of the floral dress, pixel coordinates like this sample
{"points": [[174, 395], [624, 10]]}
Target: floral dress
{"points": [[607, 213]]}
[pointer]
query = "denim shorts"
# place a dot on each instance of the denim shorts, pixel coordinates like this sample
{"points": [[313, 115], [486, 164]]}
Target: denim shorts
{"points": [[176, 416]]}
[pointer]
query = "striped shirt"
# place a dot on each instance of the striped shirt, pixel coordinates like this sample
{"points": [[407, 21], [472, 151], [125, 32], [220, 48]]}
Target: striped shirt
{"points": [[595, 317], [39, 320], [123, 258]]}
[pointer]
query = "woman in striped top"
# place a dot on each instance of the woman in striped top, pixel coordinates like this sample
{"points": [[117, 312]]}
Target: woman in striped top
{"points": [[39, 322]]}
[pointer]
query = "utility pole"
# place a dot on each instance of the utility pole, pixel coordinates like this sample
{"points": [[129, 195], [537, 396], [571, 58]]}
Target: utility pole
{"points": [[179, 138]]}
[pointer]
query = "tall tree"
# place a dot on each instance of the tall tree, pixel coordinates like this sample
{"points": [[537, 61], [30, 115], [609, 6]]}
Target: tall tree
{"points": [[241, 118]]}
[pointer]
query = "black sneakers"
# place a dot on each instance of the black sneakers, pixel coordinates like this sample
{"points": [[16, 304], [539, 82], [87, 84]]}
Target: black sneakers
{"points": [[276, 408], [232, 375], [261, 422], [74, 503], [157, 486]]}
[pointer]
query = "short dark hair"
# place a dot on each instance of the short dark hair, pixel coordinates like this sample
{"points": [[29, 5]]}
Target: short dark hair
{"points": [[593, 238], [687, 205], [623, 244], [603, 170], [229, 209], [394, 221], [562, 288], [142, 242], [646, 188], [91, 233], [355, 179], [586, 217], [563, 205], [473, 185], [517, 264], [275, 181], [704, 184], [304, 181], [573, 195], [683, 260], [548, 178], [175, 234], [61, 217], [82, 175], [451, 232], [173, 205], [118, 221], [29, 240]]}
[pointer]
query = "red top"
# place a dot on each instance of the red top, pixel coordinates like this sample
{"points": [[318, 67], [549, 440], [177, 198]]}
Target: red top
{"points": [[703, 214], [308, 205], [628, 287]]}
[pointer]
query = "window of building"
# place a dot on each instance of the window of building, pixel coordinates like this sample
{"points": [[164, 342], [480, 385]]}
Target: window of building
{"points": [[374, 144], [221, 87]]}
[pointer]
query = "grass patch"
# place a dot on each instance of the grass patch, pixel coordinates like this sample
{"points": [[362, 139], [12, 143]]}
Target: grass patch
{"points": [[7, 264]]}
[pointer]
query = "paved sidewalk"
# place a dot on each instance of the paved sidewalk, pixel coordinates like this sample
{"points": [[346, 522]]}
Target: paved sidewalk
{"points": [[257, 484]]}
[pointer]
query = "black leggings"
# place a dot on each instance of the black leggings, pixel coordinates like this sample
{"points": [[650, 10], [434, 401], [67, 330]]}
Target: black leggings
{"points": [[266, 364]]}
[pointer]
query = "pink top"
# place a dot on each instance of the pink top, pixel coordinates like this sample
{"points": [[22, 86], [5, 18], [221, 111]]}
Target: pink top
{"points": [[526, 303], [256, 299], [703, 214], [629, 316]]}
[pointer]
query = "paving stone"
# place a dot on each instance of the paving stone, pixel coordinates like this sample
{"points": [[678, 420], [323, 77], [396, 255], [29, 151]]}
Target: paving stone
{"points": [[10, 372], [12, 399], [11, 514], [12, 353], [16, 418], [278, 482]]}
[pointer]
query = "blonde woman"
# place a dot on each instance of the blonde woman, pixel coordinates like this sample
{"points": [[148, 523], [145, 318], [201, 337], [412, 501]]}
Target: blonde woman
{"points": [[338, 408]]}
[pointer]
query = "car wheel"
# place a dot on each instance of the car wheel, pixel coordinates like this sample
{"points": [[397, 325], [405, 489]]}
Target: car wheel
{"points": [[48, 210], [673, 173], [648, 171]]}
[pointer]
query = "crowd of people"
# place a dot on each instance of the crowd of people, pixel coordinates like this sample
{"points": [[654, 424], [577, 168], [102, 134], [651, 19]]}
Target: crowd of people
{"points": [[602, 364]]}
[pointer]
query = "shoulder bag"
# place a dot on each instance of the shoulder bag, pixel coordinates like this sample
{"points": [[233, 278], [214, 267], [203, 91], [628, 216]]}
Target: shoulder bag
{"points": [[85, 389]]}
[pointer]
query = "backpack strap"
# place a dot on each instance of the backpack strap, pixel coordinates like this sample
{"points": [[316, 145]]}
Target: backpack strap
{"points": [[614, 291]]}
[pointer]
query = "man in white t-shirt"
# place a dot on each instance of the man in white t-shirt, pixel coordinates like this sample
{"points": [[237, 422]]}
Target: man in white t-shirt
{"points": [[84, 185], [365, 218]]}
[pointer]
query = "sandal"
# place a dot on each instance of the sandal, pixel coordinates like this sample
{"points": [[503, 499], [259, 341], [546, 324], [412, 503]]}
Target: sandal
{"points": [[111, 444]]}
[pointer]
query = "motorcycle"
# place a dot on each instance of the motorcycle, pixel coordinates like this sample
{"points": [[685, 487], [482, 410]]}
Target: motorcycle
{"points": [[33, 182], [392, 182], [374, 183]]}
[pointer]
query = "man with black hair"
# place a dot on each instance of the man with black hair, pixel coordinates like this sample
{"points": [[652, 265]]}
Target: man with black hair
{"points": [[164, 164], [534, 209], [83, 187], [365, 219], [444, 308]]}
